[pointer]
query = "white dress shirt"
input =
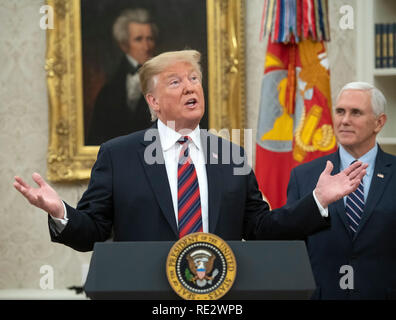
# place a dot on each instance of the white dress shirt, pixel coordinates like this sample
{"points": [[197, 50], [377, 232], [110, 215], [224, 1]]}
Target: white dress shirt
{"points": [[171, 150], [132, 61]]}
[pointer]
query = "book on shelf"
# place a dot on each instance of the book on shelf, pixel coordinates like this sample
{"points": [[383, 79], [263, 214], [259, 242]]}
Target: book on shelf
{"points": [[391, 55], [378, 45], [385, 45], [394, 44]]}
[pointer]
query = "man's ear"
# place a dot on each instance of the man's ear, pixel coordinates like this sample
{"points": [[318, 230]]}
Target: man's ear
{"points": [[152, 101], [380, 121]]}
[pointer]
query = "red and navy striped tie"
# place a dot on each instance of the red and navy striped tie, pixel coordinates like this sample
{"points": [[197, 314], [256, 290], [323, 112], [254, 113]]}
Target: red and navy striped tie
{"points": [[189, 201]]}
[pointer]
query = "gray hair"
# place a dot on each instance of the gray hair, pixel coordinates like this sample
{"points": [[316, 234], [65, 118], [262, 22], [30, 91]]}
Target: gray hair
{"points": [[120, 27], [378, 100]]}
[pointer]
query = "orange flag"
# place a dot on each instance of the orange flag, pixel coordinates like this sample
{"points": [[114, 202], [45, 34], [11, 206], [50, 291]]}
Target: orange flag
{"points": [[295, 124]]}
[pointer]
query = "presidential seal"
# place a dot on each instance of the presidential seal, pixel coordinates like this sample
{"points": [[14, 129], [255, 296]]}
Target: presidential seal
{"points": [[201, 266]]}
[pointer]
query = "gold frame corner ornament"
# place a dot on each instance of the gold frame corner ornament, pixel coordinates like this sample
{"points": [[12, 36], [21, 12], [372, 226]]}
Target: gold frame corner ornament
{"points": [[68, 158]]}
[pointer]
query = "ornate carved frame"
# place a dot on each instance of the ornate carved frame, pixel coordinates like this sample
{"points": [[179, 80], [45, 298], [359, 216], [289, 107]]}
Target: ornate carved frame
{"points": [[68, 158]]}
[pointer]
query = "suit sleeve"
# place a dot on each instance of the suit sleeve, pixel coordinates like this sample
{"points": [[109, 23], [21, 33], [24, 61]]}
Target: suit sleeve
{"points": [[291, 222], [293, 192], [92, 220]]}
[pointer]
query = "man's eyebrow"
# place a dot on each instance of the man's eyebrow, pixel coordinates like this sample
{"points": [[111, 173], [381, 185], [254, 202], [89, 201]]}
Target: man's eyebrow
{"points": [[172, 75]]}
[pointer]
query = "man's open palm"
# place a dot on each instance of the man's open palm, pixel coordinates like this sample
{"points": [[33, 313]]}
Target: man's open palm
{"points": [[43, 197], [332, 188]]}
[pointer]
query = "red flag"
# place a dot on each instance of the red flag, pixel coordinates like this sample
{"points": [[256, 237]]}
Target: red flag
{"points": [[295, 124]]}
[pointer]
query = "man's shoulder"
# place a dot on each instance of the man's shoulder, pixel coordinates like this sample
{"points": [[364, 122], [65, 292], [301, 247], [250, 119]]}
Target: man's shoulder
{"points": [[129, 141], [213, 138], [387, 158]]}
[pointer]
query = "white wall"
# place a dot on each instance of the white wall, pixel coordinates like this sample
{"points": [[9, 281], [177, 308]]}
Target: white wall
{"points": [[24, 239]]}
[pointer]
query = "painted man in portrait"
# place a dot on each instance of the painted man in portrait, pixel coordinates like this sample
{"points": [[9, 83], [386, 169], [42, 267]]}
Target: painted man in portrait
{"points": [[120, 108]]}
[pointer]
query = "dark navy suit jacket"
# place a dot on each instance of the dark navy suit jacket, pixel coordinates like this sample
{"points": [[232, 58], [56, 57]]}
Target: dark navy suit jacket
{"points": [[371, 251], [131, 198]]}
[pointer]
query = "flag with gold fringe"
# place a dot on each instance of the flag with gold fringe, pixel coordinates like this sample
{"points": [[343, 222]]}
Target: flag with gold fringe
{"points": [[294, 124]]}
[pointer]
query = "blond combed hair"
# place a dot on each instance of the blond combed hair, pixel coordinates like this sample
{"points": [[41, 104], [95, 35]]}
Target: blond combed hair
{"points": [[153, 67]]}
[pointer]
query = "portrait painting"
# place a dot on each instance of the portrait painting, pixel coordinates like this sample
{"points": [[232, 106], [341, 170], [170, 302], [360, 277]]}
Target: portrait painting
{"points": [[118, 36], [93, 56]]}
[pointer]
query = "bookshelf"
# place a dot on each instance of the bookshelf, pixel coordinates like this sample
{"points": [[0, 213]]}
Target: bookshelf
{"points": [[369, 13], [384, 72]]}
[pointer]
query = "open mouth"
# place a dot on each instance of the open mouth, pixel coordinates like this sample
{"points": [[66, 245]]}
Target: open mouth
{"points": [[191, 103]]}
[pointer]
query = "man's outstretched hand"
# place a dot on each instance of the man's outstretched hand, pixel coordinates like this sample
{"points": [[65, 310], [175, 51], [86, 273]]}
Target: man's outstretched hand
{"points": [[43, 197], [332, 188]]}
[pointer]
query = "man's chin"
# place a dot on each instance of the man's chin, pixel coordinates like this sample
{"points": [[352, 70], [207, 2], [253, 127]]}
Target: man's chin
{"points": [[346, 142], [190, 124]]}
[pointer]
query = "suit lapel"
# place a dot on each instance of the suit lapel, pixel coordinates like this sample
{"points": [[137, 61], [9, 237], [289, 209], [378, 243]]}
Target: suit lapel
{"points": [[339, 206], [157, 176], [213, 173], [381, 176]]}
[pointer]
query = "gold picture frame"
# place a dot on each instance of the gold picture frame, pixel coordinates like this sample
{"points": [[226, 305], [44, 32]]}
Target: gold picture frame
{"points": [[69, 159]]}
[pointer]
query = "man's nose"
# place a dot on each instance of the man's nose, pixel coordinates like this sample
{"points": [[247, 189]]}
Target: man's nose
{"points": [[346, 118], [188, 87], [146, 44]]}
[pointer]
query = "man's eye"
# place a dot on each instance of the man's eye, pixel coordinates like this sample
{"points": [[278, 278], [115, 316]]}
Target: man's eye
{"points": [[174, 82], [195, 78]]}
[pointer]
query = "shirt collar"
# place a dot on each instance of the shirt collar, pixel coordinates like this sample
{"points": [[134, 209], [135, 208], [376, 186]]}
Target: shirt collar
{"points": [[169, 137], [368, 158], [132, 61]]}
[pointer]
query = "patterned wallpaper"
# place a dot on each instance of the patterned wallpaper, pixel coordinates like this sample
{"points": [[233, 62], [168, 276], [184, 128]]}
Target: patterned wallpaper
{"points": [[24, 238]]}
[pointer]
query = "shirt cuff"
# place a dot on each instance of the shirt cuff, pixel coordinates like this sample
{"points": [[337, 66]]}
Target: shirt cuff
{"points": [[323, 211], [60, 223]]}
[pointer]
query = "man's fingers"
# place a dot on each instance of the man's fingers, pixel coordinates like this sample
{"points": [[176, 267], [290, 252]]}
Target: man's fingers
{"points": [[25, 189], [329, 167], [38, 179], [356, 181], [354, 166], [22, 189], [26, 192], [18, 186], [358, 172], [21, 182]]}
